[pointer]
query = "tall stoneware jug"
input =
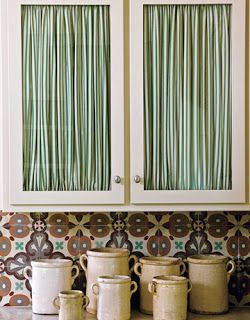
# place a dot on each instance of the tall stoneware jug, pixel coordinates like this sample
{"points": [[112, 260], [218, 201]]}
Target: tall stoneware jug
{"points": [[170, 294], [209, 275], [104, 261], [49, 277], [150, 267]]}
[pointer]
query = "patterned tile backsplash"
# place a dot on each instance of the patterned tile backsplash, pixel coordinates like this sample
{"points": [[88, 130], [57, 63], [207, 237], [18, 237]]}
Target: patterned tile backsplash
{"points": [[25, 237]]}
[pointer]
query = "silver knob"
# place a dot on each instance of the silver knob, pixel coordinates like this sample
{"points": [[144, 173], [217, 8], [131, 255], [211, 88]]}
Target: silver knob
{"points": [[137, 179], [118, 179]]}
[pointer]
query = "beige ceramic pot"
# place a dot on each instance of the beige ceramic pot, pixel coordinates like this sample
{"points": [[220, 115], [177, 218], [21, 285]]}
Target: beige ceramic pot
{"points": [[104, 261], [71, 304], [114, 295], [170, 295], [49, 277], [209, 275], [150, 267]]}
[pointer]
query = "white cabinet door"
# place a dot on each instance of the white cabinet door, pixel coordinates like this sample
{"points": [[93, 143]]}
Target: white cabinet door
{"points": [[187, 101], [64, 116]]}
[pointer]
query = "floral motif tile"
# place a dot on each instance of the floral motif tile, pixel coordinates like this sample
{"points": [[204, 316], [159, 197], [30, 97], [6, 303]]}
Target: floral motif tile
{"points": [[213, 217], [24, 237], [239, 289], [14, 292]]}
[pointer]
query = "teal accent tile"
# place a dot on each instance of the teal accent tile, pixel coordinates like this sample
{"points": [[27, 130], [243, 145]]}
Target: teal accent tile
{"points": [[138, 245], [19, 286], [59, 245], [19, 246]]}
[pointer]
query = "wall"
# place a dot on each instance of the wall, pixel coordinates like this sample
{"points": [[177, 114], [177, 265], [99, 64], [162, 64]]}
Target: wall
{"points": [[25, 237]]}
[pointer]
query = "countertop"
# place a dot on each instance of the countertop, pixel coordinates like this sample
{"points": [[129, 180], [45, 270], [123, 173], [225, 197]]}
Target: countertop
{"points": [[12, 313]]}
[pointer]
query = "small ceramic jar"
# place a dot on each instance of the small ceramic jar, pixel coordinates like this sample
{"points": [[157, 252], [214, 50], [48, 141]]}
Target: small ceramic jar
{"points": [[71, 304], [170, 294], [49, 277], [209, 275], [114, 295], [104, 261], [150, 267]]}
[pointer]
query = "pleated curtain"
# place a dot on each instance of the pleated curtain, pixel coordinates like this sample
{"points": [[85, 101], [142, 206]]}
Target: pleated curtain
{"points": [[187, 97], [66, 98]]}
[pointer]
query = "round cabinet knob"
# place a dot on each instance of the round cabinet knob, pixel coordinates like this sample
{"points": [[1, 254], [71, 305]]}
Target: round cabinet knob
{"points": [[118, 179], [137, 179]]}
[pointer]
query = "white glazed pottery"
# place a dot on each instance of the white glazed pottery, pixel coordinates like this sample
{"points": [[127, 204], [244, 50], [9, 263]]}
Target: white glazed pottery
{"points": [[104, 261], [71, 304], [209, 275], [49, 277], [170, 294], [150, 267], [114, 295]]}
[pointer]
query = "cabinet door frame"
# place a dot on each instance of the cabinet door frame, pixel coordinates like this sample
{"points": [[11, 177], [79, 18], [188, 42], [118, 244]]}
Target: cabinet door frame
{"points": [[16, 195], [238, 192]]}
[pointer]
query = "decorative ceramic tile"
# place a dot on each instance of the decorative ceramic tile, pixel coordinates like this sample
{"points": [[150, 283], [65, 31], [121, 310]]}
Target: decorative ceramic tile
{"points": [[14, 292], [24, 237]]}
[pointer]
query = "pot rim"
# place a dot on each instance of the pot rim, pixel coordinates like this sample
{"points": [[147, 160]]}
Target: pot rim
{"points": [[113, 279], [108, 252], [51, 263], [207, 259], [170, 280], [163, 261], [71, 294]]}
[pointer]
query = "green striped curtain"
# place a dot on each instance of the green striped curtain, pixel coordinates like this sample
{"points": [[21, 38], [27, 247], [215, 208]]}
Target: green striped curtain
{"points": [[66, 98], [187, 97]]}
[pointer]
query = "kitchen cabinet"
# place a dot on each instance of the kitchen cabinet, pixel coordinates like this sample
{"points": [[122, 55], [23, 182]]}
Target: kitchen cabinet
{"points": [[79, 149], [188, 101], [63, 109]]}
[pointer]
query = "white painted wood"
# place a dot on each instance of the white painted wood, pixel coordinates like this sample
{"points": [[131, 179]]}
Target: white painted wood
{"points": [[238, 192], [185, 2], [4, 101], [129, 208], [1, 114], [16, 194]]}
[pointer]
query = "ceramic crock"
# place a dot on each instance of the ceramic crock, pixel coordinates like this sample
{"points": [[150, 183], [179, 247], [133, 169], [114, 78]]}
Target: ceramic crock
{"points": [[114, 295], [71, 304], [49, 277], [104, 261], [170, 294], [150, 267], [209, 275]]}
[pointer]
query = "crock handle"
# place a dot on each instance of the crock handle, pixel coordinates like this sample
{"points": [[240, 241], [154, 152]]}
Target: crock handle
{"points": [[152, 288], [85, 302], [183, 268], [230, 271], [95, 289], [56, 303], [136, 269], [25, 273], [133, 287], [83, 260], [76, 274], [190, 286], [132, 257]]}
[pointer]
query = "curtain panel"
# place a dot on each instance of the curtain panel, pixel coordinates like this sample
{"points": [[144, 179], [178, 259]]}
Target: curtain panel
{"points": [[66, 98], [187, 97]]}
